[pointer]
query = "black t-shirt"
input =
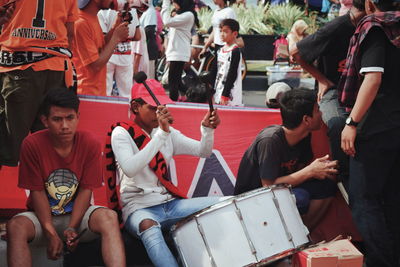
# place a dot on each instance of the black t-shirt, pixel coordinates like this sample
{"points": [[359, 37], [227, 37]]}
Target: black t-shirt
{"points": [[329, 46], [377, 53], [270, 157]]}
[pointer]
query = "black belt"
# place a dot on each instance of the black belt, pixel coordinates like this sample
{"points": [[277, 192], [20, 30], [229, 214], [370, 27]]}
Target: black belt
{"points": [[19, 58]]}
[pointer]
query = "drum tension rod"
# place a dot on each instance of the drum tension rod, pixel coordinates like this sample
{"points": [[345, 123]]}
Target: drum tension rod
{"points": [[240, 216], [288, 234], [203, 236]]}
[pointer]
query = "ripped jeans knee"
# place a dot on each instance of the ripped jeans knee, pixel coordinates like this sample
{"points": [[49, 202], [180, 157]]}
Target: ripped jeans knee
{"points": [[147, 224]]}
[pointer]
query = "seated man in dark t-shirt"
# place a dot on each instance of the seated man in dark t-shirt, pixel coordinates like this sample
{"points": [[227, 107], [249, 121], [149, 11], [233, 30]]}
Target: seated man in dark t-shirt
{"points": [[282, 154]]}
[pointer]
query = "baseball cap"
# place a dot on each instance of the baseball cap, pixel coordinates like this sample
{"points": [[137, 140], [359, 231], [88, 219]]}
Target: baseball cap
{"points": [[140, 91], [83, 3], [274, 92]]}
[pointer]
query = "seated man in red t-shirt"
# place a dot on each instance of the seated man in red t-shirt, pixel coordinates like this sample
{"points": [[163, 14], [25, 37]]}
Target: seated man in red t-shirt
{"points": [[61, 166]]}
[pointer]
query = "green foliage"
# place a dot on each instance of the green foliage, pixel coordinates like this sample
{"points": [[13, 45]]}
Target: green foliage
{"points": [[264, 19], [282, 17], [251, 19], [204, 16]]}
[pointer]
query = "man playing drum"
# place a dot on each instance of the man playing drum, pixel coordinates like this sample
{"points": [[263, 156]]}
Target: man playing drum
{"points": [[143, 149], [282, 154]]}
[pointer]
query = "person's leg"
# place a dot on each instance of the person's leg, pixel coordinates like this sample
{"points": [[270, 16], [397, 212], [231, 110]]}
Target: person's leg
{"points": [[53, 80], [175, 79], [110, 78], [152, 69], [181, 208], [22, 93], [124, 79], [334, 117], [302, 200], [316, 211], [4, 136], [145, 224], [20, 231], [391, 205], [369, 172], [321, 194], [105, 222]]}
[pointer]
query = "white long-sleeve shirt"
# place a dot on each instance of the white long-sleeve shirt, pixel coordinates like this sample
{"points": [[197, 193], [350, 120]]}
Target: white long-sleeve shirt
{"points": [[179, 35], [219, 15], [140, 187]]}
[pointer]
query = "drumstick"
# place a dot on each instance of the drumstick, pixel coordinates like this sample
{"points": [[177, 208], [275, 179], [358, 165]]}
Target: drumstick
{"points": [[66, 250], [78, 236], [141, 77], [205, 77]]}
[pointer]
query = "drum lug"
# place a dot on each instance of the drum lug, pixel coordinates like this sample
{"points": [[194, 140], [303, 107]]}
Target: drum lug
{"points": [[288, 234], [246, 232], [203, 236]]}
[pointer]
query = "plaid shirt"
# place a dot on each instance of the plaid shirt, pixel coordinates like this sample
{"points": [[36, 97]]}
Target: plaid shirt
{"points": [[351, 79]]}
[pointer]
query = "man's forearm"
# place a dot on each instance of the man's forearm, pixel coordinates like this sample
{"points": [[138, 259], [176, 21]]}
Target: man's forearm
{"points": [[136, 63], [82, 202], [293, 179], [210, 40], [138, 35], [104, 55], [108, 35], [319, 76], [43, 212]]}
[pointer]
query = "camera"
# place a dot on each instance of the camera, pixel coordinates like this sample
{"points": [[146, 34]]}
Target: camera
{"points": [[123, 7]]}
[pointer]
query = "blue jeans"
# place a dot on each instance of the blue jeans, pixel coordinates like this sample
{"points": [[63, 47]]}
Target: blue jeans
{"points": [[334, 116], [165, 215], [374, 197]]}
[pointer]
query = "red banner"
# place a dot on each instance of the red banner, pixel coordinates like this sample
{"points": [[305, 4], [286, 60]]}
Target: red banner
{"points": [[197, 177], [238, 128]]}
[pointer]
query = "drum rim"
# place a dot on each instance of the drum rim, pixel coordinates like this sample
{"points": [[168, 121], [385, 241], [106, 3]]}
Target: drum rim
{"points": [[280, 255], [228, 201]]}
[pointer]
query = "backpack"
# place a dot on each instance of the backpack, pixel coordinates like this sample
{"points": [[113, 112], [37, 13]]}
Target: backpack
{"points": [[281, 50]]}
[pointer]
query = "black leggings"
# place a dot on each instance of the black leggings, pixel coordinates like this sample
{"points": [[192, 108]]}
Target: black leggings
{"points": [[175, 79]]}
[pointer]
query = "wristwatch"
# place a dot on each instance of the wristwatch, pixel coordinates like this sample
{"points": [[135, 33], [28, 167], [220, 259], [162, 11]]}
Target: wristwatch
{"points": [[350, 122]]}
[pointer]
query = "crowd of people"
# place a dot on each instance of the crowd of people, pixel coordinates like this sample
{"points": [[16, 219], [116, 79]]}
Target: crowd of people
{"points": [[107, 42]]}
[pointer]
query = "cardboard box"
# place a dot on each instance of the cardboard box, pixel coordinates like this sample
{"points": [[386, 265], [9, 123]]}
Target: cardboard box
{"points": [[337, 253]]}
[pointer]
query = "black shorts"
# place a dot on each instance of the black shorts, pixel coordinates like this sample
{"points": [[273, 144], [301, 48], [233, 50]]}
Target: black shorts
{"points": [[319, 189], [313, 189]]}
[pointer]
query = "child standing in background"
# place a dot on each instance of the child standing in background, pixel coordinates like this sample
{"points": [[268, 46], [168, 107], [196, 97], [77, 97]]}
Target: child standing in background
{"points": [[226, 69], [139, 50]]}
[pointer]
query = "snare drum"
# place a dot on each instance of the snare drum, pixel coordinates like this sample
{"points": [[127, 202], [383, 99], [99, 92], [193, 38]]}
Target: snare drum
{"points": [[259, 226]]}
